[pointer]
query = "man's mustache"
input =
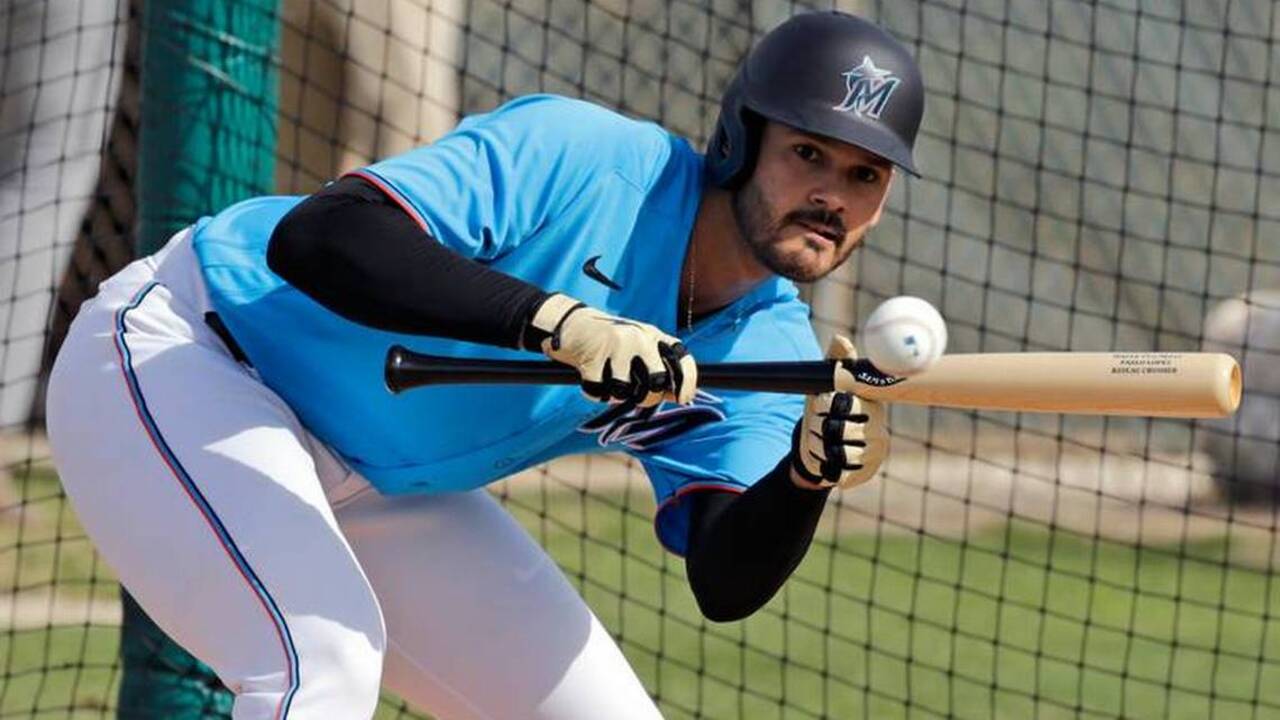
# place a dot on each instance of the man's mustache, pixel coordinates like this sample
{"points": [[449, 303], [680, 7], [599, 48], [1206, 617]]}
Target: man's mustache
{"points": [[820, 218]]}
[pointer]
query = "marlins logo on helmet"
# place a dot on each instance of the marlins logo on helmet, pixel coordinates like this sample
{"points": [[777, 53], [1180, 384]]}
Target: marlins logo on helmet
{"points": [[867, 89]]}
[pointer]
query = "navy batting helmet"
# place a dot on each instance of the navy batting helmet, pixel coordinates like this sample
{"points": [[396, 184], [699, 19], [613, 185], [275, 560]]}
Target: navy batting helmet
{"points": [[828, 73]]}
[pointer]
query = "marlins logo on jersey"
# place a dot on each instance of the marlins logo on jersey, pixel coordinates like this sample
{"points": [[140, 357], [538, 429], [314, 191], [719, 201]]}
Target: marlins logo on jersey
{"points": [[645, 428], [867, 89]]}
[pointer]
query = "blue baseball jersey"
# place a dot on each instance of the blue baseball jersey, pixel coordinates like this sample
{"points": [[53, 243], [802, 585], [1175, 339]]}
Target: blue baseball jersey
{"points": [[570, 197]]}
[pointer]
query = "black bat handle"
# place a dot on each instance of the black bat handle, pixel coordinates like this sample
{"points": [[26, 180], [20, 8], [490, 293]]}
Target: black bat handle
{"points": [[406, 369]]}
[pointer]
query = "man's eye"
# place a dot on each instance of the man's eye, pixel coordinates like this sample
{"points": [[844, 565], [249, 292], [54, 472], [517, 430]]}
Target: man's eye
{"points": [[808, 153], [867, 175]]}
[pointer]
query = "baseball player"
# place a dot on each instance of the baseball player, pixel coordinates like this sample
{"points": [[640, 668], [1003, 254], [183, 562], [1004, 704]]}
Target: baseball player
{"points": [[218, 416]]}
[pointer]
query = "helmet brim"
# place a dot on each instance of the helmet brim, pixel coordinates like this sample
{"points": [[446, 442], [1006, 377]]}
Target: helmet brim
{"points": [[872, 137]]}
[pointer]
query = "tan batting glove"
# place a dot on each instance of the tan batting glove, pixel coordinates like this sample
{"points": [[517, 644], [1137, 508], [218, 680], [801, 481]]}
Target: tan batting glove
{"points": [[619, 360], [842, 438]]}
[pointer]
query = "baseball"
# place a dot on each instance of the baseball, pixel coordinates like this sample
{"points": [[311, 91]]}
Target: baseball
{"points": [[904, 336]]}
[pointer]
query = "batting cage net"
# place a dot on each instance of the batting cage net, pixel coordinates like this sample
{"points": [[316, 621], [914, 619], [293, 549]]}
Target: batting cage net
{"points": [[1096, 176]]}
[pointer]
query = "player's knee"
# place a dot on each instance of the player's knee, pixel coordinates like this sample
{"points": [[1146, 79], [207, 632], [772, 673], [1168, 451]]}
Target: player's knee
{"points": [[356, 677], [335, 665], [350, 667], [339, 679]]}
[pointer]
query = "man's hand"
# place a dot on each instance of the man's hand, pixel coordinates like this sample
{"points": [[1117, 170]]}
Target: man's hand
{"points": [[842, 438], [619, 360]]}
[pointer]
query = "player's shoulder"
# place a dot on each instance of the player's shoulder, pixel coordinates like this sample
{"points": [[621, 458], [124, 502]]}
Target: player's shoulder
{"points": [[582, 132], [570, 115]]}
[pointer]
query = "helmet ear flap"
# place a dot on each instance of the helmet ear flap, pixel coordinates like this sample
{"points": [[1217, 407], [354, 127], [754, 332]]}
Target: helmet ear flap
{"points": [[732, 150], [752, 131]]}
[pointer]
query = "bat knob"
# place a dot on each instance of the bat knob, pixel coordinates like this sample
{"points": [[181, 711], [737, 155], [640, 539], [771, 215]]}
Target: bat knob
{"points": [[391, 373]]}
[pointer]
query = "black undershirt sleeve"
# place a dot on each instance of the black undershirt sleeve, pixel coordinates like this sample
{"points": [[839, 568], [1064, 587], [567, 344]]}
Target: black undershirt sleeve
{"points": [[353, 250], [742, 548]]}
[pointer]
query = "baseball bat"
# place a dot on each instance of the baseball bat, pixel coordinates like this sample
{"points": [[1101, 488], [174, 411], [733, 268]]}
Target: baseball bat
{"points": [[1187, 385]]}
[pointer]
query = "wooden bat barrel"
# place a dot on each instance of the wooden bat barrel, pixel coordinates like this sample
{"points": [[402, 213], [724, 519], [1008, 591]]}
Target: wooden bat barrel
{"points": [[1188, 385]]}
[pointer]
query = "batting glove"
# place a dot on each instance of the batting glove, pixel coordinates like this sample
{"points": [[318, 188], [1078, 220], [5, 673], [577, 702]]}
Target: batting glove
{"points": [[619, 360], [842, 438]]}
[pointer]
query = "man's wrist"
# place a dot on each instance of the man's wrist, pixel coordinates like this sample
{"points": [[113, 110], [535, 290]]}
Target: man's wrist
{"points": [[800, 481], [800, 476], [544, 317]]}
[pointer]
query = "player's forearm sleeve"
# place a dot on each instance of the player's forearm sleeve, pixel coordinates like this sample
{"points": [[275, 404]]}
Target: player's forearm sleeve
{"points": [[351, 249], [742, 548]]}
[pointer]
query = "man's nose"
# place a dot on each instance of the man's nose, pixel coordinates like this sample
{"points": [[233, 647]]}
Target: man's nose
{"points": [[827, 200]]}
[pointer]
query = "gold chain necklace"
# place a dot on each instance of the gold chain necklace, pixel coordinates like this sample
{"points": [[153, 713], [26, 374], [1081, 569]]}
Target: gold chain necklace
{"points": [[693, 264]]}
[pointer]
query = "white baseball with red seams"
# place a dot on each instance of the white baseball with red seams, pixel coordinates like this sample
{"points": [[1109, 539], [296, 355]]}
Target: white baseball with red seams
{"points": [[904, 336]]}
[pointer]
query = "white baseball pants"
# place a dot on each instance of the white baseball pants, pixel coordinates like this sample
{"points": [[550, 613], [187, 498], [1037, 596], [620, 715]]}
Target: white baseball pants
{"points": [[256, 549]]}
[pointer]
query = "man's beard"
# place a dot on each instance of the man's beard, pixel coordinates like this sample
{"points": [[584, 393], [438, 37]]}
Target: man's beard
{"points": [[760, 230]]}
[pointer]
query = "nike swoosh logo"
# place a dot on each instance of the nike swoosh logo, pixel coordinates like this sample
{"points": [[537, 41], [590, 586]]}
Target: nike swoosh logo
{"points": [[590, 270]]}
